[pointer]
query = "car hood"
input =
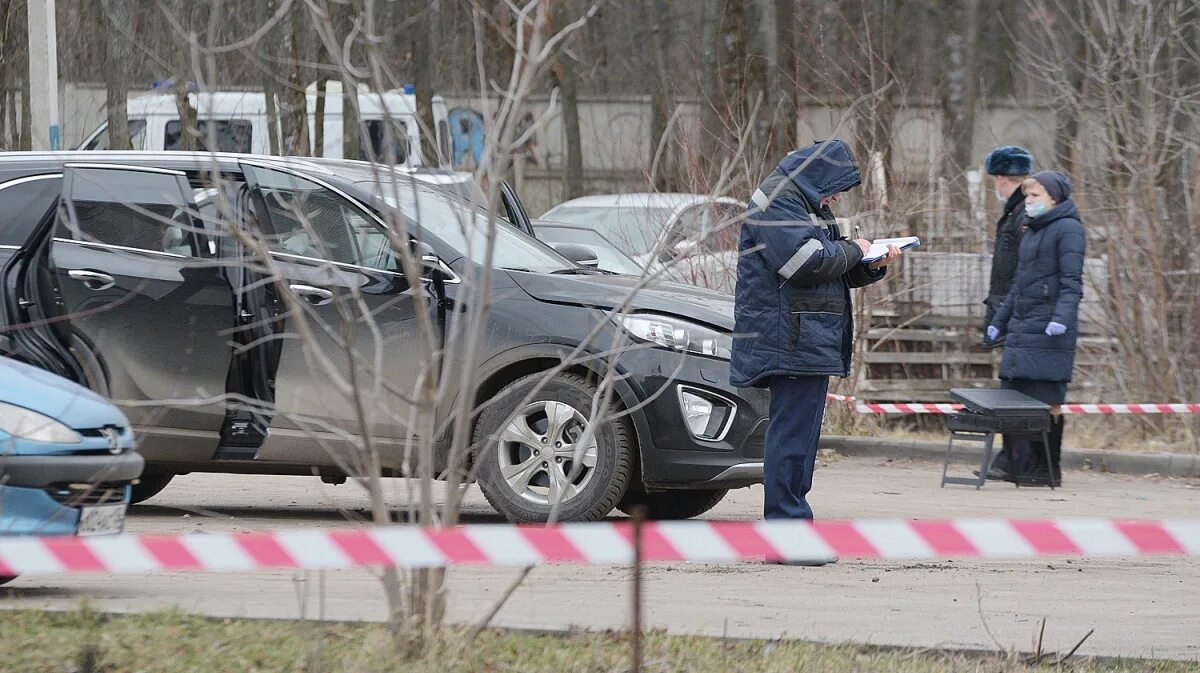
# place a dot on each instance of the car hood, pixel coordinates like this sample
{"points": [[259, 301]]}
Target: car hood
{"points": [[69, 403], [609, 291]]}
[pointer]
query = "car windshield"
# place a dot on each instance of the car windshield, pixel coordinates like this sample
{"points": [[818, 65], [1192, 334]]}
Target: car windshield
{"points": [[611, 258], [634, 228], [463, 226]]}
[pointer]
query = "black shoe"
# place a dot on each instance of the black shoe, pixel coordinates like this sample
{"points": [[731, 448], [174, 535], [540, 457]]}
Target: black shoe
{"points": [[994, 474]]}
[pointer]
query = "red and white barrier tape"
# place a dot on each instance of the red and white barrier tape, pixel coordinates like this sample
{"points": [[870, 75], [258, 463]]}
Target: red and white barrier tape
{"points": [[1074, 409], [597, 543]]}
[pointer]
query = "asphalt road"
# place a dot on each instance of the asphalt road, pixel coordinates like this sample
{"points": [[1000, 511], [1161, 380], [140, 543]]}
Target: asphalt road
{"points": [[1137, 607]]}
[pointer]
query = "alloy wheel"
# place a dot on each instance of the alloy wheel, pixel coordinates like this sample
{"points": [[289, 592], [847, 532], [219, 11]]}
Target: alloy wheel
{"points": [[541, 454]]}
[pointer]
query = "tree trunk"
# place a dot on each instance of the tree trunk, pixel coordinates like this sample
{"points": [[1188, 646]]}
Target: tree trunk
{"points": [[786, 118], [294, 115], [733, 59], [266, 58], [422, 61], [662, 101], [5, 122], [710, 83], [118, 20], [351, 148], [185, 13], [959, 98], [26, 138], [565, 77], [875, 117], [319, 119]]}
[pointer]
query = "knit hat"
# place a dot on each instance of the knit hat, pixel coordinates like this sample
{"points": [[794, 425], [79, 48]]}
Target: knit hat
{"points": [[1057, 184], [1009, 160]]}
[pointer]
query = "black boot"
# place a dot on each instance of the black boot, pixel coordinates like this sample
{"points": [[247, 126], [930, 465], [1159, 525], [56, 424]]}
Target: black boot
{"points": [[1056, 435], [1043, 474]]}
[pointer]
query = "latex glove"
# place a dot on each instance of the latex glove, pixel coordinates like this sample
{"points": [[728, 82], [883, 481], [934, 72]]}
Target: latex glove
{"points": [[993, 332], [1055, 329]]}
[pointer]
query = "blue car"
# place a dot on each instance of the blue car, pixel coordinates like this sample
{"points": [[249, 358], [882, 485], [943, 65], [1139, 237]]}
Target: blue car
{"points": [[67, 456]]}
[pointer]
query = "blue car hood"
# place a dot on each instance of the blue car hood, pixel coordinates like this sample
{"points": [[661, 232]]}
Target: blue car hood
{"points": [[69, 403]]}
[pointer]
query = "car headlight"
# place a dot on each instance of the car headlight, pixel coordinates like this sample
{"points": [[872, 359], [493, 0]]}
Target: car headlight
{"points": [[25, 424], [679, 335]]}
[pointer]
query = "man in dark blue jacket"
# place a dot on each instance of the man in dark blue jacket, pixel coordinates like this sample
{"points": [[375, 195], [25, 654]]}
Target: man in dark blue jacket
{"points": [[1008, 165], [794, 326]]}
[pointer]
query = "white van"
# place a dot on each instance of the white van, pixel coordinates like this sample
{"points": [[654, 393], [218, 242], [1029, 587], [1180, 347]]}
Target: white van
{"points": [[241, 118]]}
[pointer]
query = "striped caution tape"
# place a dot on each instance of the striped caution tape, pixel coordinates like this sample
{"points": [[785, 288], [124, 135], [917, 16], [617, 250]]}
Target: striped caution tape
{"points": [[597, 543], [1074, 409]]}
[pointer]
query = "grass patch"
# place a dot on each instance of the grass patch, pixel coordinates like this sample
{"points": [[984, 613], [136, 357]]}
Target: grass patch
{"points": [[169, 642]]}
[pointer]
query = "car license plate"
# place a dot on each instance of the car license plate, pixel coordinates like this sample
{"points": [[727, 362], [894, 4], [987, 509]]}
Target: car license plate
{"points": [[101, 520]]}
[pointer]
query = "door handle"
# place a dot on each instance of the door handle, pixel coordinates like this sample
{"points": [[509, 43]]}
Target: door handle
{"points": [[317, 296], [94, 280]]}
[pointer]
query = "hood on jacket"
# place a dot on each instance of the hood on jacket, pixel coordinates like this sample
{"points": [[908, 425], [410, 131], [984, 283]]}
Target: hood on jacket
{"points": [[1066, 209], [821, 170]]}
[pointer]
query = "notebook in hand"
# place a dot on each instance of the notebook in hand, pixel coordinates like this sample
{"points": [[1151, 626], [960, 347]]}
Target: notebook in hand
{"points": [[879, 247]]}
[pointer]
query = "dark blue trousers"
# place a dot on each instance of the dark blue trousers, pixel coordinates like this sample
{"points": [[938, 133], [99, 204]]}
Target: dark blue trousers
{"points": [[797, 407]]}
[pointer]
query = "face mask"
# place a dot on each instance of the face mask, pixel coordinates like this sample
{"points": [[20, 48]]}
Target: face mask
{"points": [[1001, 198], [1036, 209]]}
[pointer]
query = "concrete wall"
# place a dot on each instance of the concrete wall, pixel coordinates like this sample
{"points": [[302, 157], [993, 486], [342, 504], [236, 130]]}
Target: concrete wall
{"points": [[615, 135]]}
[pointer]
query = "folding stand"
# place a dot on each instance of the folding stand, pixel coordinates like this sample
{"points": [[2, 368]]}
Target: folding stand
{"points": [[988, 412]]}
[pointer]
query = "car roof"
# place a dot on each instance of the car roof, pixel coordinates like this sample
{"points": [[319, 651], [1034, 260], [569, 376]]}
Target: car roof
{"points": [[318, 167], [183, 161], [673, 200]]}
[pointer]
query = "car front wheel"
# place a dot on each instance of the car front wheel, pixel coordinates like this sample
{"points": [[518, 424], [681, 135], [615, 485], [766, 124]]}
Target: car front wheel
{"points": [[149, 485], [533, 451]]}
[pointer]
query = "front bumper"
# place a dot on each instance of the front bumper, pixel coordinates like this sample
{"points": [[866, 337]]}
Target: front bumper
{"points": [[40, 471], [52, 511], [672, 457]]}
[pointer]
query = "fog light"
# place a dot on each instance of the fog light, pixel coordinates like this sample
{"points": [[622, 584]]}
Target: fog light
{"points": [[697, 412], [706, 415]]}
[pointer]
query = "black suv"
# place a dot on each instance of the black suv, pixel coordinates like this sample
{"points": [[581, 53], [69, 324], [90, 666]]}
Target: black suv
{"points": [[119, 271]]}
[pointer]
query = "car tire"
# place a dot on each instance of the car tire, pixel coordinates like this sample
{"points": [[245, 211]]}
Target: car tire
{"points": [[512, 434], [149, 485], [671, 505]]}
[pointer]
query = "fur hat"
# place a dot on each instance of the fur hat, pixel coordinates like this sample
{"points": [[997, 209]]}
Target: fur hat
{"points": [[1009, 160]]}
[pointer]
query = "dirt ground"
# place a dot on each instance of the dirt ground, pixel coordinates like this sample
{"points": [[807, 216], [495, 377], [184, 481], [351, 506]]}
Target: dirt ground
{"points": [[1146, 608]]}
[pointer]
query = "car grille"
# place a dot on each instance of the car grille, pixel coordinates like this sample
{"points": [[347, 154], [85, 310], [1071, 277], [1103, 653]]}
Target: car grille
{"points": [[102, 432], [79, 495]]}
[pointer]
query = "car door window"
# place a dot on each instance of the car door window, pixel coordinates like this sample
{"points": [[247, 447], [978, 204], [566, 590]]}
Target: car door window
{"points": [[137, 137], [23, 202], [380, 149], [233, 135], [129, 208], [309, 220]]}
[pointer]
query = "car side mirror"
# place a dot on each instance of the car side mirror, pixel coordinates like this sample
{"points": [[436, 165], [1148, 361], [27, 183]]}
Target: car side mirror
{"points": [[431, 264], [580, 254]]}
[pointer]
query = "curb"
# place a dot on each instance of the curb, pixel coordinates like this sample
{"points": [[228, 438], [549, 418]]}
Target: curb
{"points": [[1115, 462]]}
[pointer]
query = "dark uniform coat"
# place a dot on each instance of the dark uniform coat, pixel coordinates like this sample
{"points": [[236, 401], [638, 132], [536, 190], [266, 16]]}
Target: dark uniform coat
{"points": [[1004, 253], [795, 272]]}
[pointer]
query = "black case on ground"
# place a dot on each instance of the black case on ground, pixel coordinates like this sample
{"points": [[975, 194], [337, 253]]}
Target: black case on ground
{"points": [[998, 410]]}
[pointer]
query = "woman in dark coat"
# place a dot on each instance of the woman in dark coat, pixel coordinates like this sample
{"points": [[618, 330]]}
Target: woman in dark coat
{"points": [[1040, 316]]}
